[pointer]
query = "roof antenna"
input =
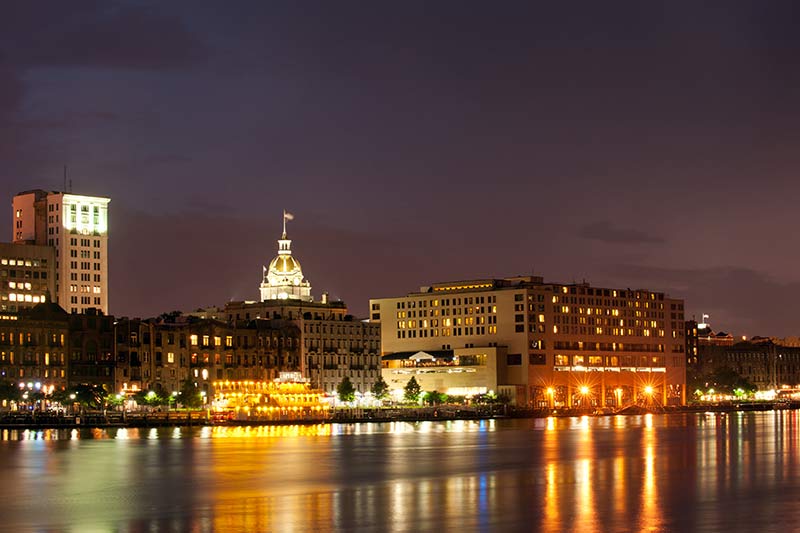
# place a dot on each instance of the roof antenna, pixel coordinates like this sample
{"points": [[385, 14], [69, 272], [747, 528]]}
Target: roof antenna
{"points": [[70, 186], [65, 179]]}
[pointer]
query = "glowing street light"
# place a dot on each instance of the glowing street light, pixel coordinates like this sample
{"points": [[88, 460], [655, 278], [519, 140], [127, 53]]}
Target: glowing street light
{"points": [[584, 390], [551, 396], [648, 390]]}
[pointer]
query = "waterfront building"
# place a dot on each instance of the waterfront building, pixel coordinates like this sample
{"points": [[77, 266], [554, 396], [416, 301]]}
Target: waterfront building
{"points": [[540, 344], [76, 226], [91, 349], [160, 354], [288, 397], [27, 276], [334, 344], [34, 347], [768, 363], [47, 345]]}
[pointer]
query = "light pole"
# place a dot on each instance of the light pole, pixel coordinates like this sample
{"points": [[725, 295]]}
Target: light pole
{"points": [[648, 392], [584, 390], [551, 397]]}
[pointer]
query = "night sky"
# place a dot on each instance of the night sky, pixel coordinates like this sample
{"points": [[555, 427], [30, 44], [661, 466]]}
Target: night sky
{"points": [[630, 144]]}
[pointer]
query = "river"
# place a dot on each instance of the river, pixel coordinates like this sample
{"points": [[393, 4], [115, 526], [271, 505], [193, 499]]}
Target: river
{"points": [[677, 472]]}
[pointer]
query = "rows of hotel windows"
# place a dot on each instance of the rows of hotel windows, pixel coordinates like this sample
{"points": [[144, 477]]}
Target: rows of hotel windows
{"points": [[473, 315], [611, 360], [586, 320]]}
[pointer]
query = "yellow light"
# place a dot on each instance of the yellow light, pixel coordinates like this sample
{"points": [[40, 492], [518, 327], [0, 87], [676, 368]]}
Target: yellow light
{"points": [[550, 391], [584, 390], [648, 390]]}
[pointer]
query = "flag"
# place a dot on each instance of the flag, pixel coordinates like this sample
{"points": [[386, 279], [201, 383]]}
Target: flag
{"points": [[288, 216]]}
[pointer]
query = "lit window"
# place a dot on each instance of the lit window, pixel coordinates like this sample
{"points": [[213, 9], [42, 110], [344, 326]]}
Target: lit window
{"points": [[170, 357], [193, 340]]}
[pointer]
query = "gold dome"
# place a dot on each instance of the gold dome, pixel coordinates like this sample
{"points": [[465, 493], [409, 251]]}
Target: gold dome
{"points": [[284, 264]]}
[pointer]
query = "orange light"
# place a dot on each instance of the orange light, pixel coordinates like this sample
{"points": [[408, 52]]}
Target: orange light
{"points": [[648, 390], [584, 390]]}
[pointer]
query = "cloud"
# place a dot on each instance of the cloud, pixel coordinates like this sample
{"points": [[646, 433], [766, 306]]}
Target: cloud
{"points": [[605, 231], [70, 120], [96, 34], [68, 36]]}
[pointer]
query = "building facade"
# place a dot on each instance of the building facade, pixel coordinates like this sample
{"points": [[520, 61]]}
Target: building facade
{"points": [[160, 354], [34, 347], [27, 276], [551, 344], [76, 227], [333, 343]]}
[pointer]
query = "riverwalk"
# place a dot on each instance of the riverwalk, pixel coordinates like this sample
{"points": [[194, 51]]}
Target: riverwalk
{"points": [[99, 419]]}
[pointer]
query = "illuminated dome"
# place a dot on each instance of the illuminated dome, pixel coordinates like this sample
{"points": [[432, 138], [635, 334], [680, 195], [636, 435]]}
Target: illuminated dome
{"points": [[285, 265], [283, 280]]}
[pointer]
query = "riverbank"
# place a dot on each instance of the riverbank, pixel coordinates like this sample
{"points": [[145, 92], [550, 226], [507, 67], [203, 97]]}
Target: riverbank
{"points": [[35, 420]]}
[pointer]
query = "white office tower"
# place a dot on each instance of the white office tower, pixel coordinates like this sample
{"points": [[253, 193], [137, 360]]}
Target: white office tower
{"points": [[77, 227]]}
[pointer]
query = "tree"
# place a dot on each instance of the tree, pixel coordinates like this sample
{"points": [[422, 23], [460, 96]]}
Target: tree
{"points": [[435, 397], [723, 379], [380, 389], [61, 396], [90, 396], [412, 390], [190, 394], [346, 390], [9, 392]]}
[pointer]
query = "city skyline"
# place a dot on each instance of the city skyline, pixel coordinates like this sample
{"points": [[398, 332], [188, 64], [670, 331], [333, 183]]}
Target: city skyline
{"points": [[626, 145]]}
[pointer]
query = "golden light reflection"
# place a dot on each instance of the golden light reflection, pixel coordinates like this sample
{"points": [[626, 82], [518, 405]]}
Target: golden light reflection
{"points": [[651, 519], [552, 507], [620, 486], [584, 496], [280, 431]]}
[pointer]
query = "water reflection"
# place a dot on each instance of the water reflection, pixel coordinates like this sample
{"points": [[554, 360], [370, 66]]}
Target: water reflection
{"points": [[651, 472]]}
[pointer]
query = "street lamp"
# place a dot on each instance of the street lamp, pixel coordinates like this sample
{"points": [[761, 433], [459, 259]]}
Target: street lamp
{"points": [[618, 393], [551, 397], [584, 390]]}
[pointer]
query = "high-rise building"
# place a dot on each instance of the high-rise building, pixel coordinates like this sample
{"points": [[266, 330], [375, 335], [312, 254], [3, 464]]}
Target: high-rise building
{"points": [[27, 275], [541, 344], [76, 227]]}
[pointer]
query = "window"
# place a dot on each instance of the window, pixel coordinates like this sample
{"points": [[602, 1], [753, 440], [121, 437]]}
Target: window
{"points": [[514, 359], [536, 359], [170, 357], [193, 340]]}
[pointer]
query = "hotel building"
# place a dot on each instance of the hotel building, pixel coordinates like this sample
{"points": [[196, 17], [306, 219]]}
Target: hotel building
{"points": [[540, 344], [77, 228], [27, 276]]}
